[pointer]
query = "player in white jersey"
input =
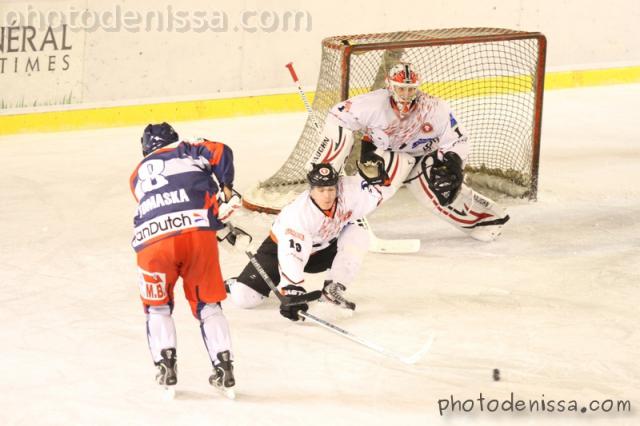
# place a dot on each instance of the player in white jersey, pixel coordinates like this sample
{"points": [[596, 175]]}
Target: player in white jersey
{"points": [[316, 232], [412, 138]]}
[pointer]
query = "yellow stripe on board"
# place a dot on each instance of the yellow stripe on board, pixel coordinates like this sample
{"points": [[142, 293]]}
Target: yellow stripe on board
{"points": [[121, 116], [269, 104], [484, 86], [506, 85], [603, 77]]}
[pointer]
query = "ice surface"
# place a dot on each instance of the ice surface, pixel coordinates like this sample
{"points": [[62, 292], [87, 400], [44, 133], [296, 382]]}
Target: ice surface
{"points": [[553, 304]]}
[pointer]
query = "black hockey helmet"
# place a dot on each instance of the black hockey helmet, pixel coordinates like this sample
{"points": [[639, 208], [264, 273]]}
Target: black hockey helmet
{"points": [[156, 136], [322, 174]]}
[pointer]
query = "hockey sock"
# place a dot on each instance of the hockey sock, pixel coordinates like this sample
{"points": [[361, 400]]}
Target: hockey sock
{"points": [[215, 330], [161, 330]]}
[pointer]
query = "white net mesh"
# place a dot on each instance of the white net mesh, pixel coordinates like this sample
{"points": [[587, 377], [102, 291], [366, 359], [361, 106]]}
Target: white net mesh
{"points": [[492, 78]]}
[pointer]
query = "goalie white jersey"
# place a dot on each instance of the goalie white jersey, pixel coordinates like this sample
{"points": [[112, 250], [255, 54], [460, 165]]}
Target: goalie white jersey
{"points": [[429, 125], [302, 228]]}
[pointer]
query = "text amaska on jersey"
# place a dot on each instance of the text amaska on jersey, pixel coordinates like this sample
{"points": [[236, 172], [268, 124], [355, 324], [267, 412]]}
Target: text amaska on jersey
{"points": [[163, 199]]}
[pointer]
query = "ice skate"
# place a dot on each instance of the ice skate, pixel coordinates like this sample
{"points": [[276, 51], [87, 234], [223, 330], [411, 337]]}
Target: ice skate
{"points": [[333, 293], [167, 375], [222, 377]]}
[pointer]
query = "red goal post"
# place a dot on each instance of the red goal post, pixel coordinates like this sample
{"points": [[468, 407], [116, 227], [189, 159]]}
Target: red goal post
{"points": [[493, 79]]}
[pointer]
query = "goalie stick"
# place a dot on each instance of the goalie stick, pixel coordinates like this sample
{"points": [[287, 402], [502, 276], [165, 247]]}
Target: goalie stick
{"points": [[412, 359], [376, 245]]}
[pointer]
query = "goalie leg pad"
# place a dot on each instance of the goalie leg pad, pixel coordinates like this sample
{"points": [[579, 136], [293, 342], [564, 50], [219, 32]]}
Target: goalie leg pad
{"points": [[161, 330], [470, 212], [398, 165], [491, 216], [335, 144]]}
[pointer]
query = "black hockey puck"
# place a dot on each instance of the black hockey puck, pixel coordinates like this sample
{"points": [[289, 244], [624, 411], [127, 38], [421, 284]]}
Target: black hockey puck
{"points": [[496, 374]]}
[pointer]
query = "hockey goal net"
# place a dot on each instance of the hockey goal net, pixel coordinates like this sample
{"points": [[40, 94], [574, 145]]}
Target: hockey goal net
{"points": [[492, 78]]}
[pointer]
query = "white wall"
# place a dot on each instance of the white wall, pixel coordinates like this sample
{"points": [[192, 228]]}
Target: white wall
{"points": [[123, 61]]}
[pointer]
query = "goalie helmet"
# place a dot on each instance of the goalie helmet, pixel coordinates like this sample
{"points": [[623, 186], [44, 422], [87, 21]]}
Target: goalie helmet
{"points": [[402, 83], [322, 174], [155, 136]]}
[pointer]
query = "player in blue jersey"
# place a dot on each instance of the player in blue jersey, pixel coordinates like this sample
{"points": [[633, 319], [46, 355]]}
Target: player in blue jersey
{"points": [[185, 194]]}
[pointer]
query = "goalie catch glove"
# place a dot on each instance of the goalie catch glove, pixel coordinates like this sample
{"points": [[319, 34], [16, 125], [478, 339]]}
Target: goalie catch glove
{"points": [[371, 165], [444, 174]]}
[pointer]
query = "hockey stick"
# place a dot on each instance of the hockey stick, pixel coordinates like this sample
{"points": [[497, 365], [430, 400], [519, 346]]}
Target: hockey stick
{"points": [[412, 359], [311, 296], [376, 245]]}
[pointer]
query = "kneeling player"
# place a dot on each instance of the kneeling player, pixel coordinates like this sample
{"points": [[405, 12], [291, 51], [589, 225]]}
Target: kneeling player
{"points": [[317, 232]]}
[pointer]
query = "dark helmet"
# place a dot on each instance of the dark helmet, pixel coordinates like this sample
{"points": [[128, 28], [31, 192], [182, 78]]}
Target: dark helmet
{"points": [[322, 174], [156, 136]]}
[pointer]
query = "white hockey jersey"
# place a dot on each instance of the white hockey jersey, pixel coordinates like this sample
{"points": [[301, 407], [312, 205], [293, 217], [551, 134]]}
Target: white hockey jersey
{"points": [[429, 126], [302, 228]]}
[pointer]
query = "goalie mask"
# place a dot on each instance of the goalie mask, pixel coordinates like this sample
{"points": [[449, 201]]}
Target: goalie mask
{"points": [[402, 83], [156, 136]]}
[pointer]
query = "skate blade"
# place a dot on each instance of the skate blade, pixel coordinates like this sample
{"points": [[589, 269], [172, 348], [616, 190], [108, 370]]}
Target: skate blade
{"points": [[169, 393], [229, 393], [226, 392]]}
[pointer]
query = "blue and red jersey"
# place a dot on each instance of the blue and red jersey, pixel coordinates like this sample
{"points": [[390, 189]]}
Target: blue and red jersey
{"points": [[176, 189]]}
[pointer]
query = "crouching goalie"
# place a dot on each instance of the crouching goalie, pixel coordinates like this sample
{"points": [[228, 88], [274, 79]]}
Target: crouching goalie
{"points": [[404, 126]]}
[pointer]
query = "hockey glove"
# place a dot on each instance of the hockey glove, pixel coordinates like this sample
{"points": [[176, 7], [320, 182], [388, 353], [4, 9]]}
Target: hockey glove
{"points": [[293, 301], [228, 207], [371, 166], [444, 174]]}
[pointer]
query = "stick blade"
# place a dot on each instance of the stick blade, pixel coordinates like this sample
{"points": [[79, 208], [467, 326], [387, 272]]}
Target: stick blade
{"points": [[377, 245], [420, 354]]}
